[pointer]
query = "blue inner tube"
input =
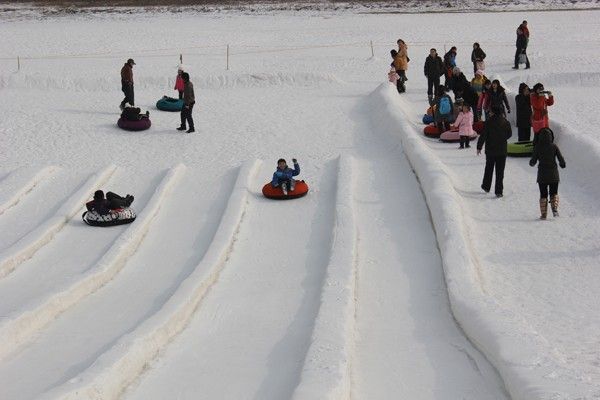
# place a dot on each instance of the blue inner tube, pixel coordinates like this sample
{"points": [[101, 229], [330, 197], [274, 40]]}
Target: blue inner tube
{"points": [[427, 119], [169, 104], [138, 125]]}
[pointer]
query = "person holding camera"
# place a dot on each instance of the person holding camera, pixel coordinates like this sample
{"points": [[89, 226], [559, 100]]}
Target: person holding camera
{"points": [[539, 107]]}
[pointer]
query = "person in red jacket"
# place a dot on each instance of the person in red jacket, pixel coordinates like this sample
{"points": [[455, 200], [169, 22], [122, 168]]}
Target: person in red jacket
{"points": [[539, 107], [179, 84]]}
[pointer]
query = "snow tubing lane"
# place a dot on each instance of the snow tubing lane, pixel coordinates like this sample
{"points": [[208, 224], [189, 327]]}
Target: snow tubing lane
{"points": [[169, 104], [520, 149], [139, 125], [119, 217], [427, 119], [478, 126], [431, 131], [453, 137], [277, 194]]}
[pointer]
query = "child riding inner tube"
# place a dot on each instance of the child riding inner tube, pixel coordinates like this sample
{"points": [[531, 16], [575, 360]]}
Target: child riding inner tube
{"points": [[276, 193], [169, 104], [115, 217]]}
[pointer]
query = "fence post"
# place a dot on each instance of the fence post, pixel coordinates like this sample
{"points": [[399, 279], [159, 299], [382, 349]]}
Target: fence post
{"points": [[180, 58], [372, 52], [18, 63], [227, 57]]}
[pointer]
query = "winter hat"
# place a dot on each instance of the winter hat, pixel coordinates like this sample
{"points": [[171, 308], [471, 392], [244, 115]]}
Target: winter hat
{"points": [[281, 160], [479, 72], [130, 61], [538, 86], [522, 86], [98, 195], [456, 70]]}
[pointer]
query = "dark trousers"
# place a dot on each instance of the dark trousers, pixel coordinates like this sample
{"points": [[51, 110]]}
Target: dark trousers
{"points": [[491, 163], [128, 92], [517, 54], [115, 201], [544, 189], [400, 83], [464, 141], [180, 95], [432, 85], [186, 115], [524, 133]]}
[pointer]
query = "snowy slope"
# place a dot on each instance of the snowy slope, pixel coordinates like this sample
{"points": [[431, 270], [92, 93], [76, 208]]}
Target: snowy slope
{"points": [[394, 278]]}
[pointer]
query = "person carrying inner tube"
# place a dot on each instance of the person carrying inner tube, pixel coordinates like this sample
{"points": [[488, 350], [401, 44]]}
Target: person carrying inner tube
{"points": [[113, 201], [283, 176]]}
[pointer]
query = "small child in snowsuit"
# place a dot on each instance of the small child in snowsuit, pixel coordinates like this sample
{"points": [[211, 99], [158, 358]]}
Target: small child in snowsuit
{"points": [[179, 84], [112, 201], [547, 178], [393, 76], [283, 176], [464, 123]]}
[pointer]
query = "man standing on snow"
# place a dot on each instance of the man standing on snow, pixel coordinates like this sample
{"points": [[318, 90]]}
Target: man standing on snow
{"points": [[522, 42], [433, 69], [496, 132], [127, 83], [188, 104]]}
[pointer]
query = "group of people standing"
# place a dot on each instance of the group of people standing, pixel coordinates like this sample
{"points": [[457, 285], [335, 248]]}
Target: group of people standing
{"points": [[184, 87]]}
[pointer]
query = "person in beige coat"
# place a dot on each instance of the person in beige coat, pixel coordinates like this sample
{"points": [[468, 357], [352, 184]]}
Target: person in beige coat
{"points": [[400, 63]]}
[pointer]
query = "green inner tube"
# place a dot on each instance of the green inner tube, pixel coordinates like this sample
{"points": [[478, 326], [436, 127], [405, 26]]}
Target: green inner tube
{"points": [[520, 149]]}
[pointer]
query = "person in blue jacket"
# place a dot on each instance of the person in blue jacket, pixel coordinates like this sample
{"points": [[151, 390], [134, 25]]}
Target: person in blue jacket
{"points": [[283, 176]]}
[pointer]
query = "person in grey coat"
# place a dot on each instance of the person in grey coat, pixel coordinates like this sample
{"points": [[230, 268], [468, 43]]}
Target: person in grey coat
{"points": [[188, 104]]}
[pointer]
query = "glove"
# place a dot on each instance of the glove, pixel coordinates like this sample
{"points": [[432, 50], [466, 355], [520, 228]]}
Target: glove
{"points": [[549, 93], [294, 161], [531, 162], [563, 165], [508, 111]]}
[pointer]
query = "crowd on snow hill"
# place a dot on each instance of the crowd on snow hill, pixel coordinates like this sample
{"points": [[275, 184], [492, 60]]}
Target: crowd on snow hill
{"points": [[483, 99]]}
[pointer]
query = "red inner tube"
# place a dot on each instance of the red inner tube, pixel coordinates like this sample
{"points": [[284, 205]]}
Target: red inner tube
{"points": [[277, 194]]}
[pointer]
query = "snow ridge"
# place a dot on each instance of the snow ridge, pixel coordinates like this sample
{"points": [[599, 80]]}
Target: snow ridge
{"points": [[489, 327], [326, 371], [113, 371], [36, 239], [8, 202], [18, 328]]}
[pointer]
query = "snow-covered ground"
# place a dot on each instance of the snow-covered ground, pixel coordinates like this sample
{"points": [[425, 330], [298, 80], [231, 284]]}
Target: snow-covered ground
{"points": [[396, 277]]}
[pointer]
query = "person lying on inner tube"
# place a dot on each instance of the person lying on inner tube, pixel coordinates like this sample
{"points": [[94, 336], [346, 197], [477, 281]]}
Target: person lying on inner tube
{"points": [[283, 175], [131, 113], [112, 201]]}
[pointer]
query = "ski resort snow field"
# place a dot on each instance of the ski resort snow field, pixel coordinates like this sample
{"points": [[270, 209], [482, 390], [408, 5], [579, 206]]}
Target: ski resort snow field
{"points": [[395, 277]]}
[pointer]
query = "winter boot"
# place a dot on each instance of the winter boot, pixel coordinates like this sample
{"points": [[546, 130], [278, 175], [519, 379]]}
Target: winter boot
{"points": [[292, 185], [554, 204], [543, 208], [284, 188]]}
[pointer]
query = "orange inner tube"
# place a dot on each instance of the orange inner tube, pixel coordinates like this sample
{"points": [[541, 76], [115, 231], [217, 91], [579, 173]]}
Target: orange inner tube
{"points": [[276, 193]]}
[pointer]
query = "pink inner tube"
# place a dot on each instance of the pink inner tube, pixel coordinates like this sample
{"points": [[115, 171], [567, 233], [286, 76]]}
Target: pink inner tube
{"points": [[139, 125], [453, 136]]}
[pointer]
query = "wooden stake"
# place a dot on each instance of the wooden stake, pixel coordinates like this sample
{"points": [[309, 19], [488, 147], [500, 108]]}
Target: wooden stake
{"points": [[18, 63], [372, 51], [181, 59], [227, 57]]}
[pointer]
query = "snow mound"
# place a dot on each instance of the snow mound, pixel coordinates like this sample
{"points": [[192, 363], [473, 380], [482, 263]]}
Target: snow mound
{"points": [[221, 81]]}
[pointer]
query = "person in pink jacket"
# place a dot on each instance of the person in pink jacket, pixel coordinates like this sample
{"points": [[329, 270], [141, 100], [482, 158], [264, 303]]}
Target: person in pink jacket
{"points": [[464, 124], [179, 84]]}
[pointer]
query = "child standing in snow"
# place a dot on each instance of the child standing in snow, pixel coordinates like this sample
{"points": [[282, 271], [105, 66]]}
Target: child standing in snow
{"points": [[547, 178], [393, 76], [464, 123], [179, 84], [283, 176]]}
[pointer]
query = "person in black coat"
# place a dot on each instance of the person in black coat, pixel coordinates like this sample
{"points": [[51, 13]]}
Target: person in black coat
{"points": [[497, 97], [433, 69], [547, 177], [522, 41], [477, 55], [496, 132], [112, 201], [523, 105]]}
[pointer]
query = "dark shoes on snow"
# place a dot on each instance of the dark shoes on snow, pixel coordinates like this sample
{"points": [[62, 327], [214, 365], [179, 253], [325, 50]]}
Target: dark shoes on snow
{"points": [[128, 200], [181, 128]]}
